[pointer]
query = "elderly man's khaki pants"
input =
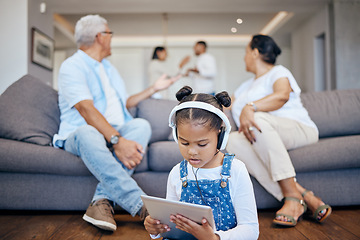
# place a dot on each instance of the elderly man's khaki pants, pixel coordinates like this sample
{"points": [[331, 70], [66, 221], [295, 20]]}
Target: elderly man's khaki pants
{"points": [[267, 159]]}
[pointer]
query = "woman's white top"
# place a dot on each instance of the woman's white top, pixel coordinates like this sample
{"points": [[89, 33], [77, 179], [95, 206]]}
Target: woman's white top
{"points": [[241, 193], [155, 70], [255, 89]]}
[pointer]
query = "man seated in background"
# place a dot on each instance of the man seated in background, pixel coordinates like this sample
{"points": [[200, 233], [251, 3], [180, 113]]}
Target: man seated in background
{"points": [[95, 123]]}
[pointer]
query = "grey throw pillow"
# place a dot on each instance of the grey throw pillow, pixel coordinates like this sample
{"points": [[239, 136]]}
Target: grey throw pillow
{"points": [[29, 112]]}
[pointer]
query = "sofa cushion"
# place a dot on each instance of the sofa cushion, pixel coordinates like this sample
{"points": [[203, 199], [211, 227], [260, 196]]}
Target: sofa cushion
{"points": [[164, 155], [29, 111], [152, 183], [21, 157], [227, 112], [157, 111], [336, 113], [328, 154], [144, 165]]}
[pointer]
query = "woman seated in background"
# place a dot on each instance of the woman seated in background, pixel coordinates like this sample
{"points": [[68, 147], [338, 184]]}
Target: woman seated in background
{"points": [[271, 120]]}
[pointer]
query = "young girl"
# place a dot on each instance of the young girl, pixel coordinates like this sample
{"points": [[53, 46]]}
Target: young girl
{"points": [[207, 176]]}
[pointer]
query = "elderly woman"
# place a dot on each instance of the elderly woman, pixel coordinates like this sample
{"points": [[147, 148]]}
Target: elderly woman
{"points": [[271, 119]]}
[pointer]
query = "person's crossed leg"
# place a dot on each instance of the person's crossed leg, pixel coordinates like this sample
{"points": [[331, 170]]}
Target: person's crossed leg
{"points": [[115, 181]]}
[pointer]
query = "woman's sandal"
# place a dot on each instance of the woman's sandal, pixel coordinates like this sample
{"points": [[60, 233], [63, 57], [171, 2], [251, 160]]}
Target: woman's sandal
{"points": [[291, 220], [319, 210]]}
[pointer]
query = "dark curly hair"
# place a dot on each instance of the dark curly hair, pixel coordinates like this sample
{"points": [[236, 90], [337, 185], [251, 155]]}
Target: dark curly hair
{"points": [[202, 116]]}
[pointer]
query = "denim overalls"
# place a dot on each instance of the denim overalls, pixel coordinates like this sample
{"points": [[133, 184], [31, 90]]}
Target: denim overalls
{"points": [[215, 193]]}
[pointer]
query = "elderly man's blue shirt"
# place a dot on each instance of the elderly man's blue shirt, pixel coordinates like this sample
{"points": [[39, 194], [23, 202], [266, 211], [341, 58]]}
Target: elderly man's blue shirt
{"points": [[79, 80]]}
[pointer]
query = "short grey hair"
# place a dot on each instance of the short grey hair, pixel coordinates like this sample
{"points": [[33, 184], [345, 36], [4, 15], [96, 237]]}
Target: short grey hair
{"points": [[87, 28]]}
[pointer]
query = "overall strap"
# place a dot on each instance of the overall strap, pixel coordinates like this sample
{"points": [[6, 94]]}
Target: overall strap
{"points": [[226, 167], [183, 169], [225, 170], [183, 172]]}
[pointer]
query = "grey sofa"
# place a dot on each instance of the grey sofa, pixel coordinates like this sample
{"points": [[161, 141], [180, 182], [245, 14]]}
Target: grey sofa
{"points": [[36, 176]]}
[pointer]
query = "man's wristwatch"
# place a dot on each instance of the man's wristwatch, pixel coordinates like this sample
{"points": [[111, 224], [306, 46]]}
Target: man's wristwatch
{"points": [[114, 140]]}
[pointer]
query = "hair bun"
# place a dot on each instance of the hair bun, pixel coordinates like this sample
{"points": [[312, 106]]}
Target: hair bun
{"points": [[224, 98], [267, 47], [277, 50], [183, 92]]}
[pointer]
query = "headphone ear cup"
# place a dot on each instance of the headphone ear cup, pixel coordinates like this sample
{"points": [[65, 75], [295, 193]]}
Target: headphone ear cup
{"points": [[220, 137], [174, 133]]}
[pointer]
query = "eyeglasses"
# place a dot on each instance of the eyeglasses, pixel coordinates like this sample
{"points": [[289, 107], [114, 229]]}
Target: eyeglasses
{"points": [[111, 33]]}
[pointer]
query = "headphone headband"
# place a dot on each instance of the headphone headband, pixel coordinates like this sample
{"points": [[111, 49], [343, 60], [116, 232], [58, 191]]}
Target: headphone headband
{"points": [[205, 106]]}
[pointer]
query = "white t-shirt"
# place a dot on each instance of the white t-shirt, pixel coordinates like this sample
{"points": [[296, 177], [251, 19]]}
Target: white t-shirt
{"points": [[203, 82], [114, 112], [241, 193], [255, 89]]}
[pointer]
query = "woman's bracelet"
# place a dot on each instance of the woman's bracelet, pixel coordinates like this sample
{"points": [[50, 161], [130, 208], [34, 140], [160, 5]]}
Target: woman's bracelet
{"points": [[253, 105]]}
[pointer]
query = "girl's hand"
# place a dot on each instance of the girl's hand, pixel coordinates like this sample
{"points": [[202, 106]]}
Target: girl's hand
{"points": [[248, 124], [201, 232], [154, 226]]}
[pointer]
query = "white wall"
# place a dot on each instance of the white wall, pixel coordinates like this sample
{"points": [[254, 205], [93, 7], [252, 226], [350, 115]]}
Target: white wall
{"points": [[17, 17], [303, 44], [13, 41], [339, 21], [347, 43], [43, 22], [132, 63]]}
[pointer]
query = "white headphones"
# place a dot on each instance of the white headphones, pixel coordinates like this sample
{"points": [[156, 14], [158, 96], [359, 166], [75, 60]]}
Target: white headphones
{"points": [[223, 135]]}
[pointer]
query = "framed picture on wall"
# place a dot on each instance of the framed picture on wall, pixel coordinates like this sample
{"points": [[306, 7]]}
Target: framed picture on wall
{"points": [[42, 49]]}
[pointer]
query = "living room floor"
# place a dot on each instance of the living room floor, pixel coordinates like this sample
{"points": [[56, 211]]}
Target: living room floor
{"points": [[344, 223]]}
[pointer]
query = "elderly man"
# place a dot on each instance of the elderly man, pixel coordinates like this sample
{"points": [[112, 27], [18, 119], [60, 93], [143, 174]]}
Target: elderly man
{"points": [[96, 125]]}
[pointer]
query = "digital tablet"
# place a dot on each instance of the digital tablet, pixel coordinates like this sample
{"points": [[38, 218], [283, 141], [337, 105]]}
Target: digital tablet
{"points": [[161, 209]]}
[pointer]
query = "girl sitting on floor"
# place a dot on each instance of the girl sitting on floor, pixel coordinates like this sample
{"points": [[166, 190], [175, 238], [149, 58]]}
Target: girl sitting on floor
{"points": [[207, 176]]}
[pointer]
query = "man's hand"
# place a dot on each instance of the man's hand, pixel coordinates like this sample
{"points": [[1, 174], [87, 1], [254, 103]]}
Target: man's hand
{"points": [[164, 82], [201, 231], [130, 153], [154, 226], [191, 70]]}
